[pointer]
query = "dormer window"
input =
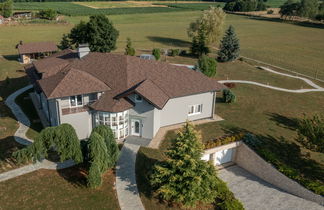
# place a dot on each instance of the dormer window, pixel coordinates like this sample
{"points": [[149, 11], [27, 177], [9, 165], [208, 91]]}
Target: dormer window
{"points": [[138, 98], [76, 101]]}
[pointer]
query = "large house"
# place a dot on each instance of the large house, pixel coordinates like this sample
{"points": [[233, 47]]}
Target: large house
{"points": [[133, 96]]}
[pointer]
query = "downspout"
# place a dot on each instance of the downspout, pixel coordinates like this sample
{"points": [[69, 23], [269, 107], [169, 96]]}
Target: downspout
{"points": [[213, 106], [58, 112], [49, 114]]}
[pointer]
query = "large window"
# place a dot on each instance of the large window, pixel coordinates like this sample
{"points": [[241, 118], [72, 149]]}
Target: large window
{"points": [[195, 109], [118, 122], [76, 101]]}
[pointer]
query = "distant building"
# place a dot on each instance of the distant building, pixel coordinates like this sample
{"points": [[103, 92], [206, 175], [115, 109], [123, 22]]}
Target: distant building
{"points": [[25, 15], [147, 57], [35, 50], [1, 19]]}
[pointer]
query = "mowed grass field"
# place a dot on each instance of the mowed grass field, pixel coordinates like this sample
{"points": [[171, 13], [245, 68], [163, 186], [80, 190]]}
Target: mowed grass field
{"points": [[295, 47], [62, 189]]}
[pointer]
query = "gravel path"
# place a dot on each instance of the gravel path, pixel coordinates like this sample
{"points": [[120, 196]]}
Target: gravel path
{"points": [[20, 137], [256, 194], [316, 88]]}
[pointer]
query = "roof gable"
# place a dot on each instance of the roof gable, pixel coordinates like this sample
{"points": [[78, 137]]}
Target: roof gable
{"points": [[72, 82]]}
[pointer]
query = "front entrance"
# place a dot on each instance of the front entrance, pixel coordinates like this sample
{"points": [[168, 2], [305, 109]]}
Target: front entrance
{"points": [[136, 127]]}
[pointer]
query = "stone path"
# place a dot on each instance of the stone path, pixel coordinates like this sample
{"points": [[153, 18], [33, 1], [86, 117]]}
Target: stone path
{"points": [[256, 194], [126, 187], [315, 89], [20, 137]]}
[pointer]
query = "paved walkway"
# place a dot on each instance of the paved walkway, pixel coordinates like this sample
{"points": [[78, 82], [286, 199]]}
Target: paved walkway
{"points": [[20, 137], [155, 143], [315, 89], [256, 194], [126, 187]]}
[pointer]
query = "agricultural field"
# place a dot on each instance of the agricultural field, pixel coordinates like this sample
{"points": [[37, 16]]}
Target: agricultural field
{"points": [[107, 8]]}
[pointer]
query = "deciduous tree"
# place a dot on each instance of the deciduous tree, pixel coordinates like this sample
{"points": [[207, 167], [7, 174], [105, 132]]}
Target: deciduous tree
{"points": [[213, 21], [199, 45], [99, 33], [6, 8]]}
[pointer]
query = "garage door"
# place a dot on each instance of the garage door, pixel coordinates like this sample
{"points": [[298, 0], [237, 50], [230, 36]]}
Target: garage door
{"points": [[223, 156]]}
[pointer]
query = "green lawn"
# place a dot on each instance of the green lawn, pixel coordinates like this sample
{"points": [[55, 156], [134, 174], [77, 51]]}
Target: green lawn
{"points": [[16, 79], [63, 189], [287, 45], [272, 116]]}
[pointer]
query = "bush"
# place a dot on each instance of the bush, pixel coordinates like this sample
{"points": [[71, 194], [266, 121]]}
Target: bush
{"points": [[230, 84], [48, 14], [63, 138], [223, 140], [174, 52], [311, 133], [228, 96], [207, 65], [157, 53], [129, 50]]}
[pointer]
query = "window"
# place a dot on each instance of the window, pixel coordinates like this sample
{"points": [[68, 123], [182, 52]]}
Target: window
{"points": [[195, 109], [118, 122], [76, 101], [138, 98]]}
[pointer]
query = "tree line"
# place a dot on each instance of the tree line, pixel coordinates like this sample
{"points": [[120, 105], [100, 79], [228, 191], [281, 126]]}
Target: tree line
{"points": [[311, 9]]}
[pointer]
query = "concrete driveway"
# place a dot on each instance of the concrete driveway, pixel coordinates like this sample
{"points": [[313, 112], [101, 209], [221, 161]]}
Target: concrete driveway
{"points": [[256, 194]]}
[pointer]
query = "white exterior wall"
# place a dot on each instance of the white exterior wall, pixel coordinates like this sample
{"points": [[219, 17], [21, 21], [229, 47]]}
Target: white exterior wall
{"points": [[81, 122], [145, 112], [176, 110]]}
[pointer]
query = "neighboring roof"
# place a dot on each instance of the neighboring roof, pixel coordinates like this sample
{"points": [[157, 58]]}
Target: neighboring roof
{"points": [[72, 82], [156, 81], [37, 47]]}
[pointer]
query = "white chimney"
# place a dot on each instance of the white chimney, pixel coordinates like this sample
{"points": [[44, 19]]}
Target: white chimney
{"points": [[83, 50]]}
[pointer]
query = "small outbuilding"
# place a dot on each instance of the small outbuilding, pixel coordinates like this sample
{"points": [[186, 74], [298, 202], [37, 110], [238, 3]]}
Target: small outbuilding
{"points": [[1, 19], [35, 50]]}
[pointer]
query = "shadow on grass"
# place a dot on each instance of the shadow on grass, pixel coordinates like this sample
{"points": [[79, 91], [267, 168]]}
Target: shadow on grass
{"points": [[288, 158], [233, 130], [278, 20], [7, 146], [145, 160], [11, 57], [284, 121], [169, 41], [76, 175]]}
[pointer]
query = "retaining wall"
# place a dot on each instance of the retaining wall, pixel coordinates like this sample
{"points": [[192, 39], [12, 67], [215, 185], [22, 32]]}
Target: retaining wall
{"points": [[252, 162]]}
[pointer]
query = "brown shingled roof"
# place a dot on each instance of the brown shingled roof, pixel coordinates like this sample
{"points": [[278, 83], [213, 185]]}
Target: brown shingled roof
{"points": [[108, 103], [156, 81], [72, 82], [37, 47]]}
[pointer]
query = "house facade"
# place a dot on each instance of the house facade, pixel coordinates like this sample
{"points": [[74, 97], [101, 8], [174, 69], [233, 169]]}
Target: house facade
{"points": [[133, 96]]}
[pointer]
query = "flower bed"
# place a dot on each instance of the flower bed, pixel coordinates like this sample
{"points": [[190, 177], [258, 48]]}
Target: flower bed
{"points": [[223, 140]]}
